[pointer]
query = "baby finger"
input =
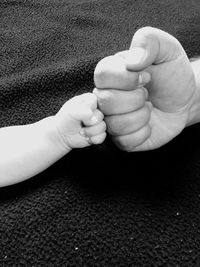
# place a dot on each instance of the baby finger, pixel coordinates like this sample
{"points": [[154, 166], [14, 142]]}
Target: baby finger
{"points": [[97, 139], [94, 130]]}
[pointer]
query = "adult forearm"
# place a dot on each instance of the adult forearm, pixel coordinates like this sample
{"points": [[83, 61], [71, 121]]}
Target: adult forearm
{"points": [[27, 150], [195, 106]]}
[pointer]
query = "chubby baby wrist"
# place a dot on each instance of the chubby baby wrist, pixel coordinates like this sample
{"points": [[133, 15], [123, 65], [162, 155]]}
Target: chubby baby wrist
{"points": [[53, 136]]}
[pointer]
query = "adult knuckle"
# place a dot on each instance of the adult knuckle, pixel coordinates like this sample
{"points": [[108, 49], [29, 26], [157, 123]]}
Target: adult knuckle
{"points": [[99, 77], [101, 72], [110, 126], [146, 113], [114, 125], [104, 97], [123, 143]]}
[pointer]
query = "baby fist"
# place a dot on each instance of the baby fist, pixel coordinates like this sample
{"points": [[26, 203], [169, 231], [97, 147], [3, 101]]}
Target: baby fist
{"points": [[80, 123]]}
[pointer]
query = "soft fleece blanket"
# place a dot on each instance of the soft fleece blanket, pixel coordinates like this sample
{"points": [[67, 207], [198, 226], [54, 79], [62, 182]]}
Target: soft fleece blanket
{"points": [[97, 206]]}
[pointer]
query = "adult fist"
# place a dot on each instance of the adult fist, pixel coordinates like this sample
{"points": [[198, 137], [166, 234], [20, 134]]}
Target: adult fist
{"points": [[138, 120]]}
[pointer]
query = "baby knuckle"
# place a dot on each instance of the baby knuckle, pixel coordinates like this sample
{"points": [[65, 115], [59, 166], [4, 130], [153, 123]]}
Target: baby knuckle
{"points": [[103, 137], [98, 139], [90, 99], [104, 126], [99, 115]]}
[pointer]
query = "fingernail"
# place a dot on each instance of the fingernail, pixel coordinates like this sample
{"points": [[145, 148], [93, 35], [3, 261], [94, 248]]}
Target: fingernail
{"points": [[135, 56], [144, 78], [82, 132], [93, 120]]}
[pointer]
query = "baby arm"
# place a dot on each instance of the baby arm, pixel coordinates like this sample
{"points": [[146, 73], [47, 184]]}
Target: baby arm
{"points": [[27, 150]]}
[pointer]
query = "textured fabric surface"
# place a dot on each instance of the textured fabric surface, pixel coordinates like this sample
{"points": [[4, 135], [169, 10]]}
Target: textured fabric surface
{"points": [[97, 206]]}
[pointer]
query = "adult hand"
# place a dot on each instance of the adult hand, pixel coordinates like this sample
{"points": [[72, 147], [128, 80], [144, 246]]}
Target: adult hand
{"points": [[135, 119]]}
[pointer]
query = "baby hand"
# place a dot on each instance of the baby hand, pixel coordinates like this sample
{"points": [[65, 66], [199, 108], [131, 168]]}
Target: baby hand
{"points": [[80, 123]]}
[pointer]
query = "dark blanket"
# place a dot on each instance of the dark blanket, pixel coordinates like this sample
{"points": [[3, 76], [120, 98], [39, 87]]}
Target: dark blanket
{"points": [[97, 206]]}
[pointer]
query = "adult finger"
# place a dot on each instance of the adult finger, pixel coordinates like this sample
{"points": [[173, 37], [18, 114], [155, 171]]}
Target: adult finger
{"points": [[151, 46], [111, 73], [112, 102], [124, 124], [131, 141]]}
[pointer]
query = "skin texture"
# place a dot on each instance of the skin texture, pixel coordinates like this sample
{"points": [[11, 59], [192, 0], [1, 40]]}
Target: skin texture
{"points": [[27, 150], [138, 120], [80, 123]]}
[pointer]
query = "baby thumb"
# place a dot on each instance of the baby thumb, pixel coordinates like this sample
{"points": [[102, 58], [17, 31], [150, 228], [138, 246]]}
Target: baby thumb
{"points": [[87, 116]]}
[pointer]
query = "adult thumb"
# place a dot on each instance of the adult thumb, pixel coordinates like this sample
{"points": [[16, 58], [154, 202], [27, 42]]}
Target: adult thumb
{"points": [[151, 46]]}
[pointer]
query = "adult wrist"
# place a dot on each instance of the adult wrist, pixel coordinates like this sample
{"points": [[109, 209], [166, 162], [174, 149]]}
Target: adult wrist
{"points": [[194, 114]]}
